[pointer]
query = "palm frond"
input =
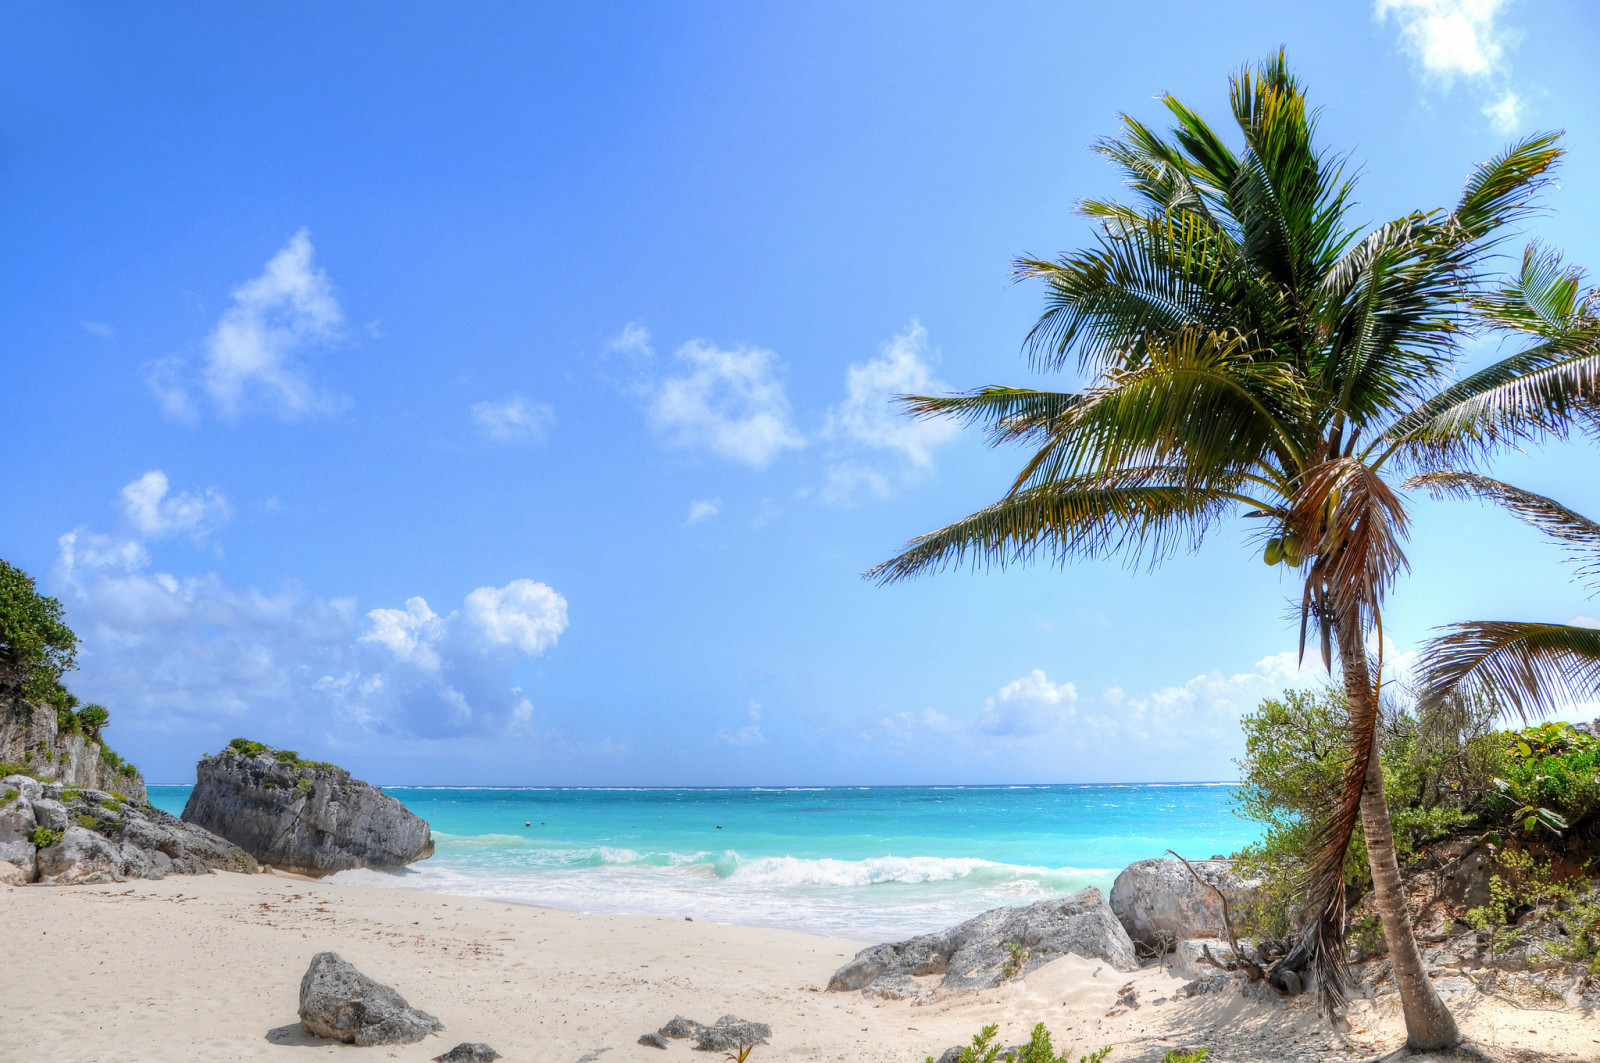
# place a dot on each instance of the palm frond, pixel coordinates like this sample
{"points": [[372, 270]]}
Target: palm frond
{"points": [[1500, 192], [1545, 298], [1200, 401], [1142, 512], [1534, 668], [1567, 526], [1005, 414], [1534, 394]]}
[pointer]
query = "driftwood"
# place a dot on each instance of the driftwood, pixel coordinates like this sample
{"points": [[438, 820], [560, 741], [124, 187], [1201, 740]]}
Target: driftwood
{"points": [[1247, 964]]}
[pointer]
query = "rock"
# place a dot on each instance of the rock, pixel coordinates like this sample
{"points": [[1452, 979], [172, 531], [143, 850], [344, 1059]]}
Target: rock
{"points": [[338, 1001], [975, 954], [17, 823], [952, 1054], [1217, 982], [12, 875], [1464, 881], [729, 1034], [896, 987], [1188, 958], [652, 1040], [468, 1052], [1159, 903], [302, 816], [30, 735], [103, 837], [679, 1028]]}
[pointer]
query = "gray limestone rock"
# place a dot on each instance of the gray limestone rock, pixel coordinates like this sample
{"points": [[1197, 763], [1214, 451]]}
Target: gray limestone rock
{"points": [[469, 1052], [12, 875], [340, 1002], [104, 837], [1188, 957], [652, 1040], [303, 816], [975, 954], [17, 822], [1159, 903], [729, 1034], [79, 858], [679, 1028]]}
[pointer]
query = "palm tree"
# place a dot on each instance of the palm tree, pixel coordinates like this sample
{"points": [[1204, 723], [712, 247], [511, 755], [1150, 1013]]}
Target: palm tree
{"points": [[1251, 351]]}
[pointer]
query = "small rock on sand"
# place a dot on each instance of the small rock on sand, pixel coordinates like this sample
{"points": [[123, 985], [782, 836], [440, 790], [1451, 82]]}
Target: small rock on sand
{"points": [[468, 1052], [338, 1001], [652, 1040]]}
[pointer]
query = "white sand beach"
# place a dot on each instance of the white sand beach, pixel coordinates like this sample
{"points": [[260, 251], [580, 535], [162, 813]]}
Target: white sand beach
{"points": [[208, 968]]}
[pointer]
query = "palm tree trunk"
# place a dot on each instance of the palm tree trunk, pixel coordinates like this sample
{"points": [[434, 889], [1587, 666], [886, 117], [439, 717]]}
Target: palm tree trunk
{"points": [[1429, 1024]]}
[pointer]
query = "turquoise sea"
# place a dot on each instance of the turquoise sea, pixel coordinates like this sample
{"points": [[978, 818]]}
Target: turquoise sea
{"points": [[861, 863]]}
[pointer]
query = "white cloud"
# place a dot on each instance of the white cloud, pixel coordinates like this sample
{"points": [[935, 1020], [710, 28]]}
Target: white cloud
{"points": [[731, 403], [1029, 706], [869, 416], [514, 419], [1505, 115], [633, 340], [748, 735], [1450, 38], [1460, 39], [252, 357], [154, 514], [409, 633], [869, 422], [524, 615], [845, 482], [99, 328], [703, 509], [195, 654]]}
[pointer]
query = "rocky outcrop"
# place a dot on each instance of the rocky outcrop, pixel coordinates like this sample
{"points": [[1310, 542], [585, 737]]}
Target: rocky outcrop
{"points": [[990, 948], [32, 744], [59, 835], [728, 1034], [340, 1002], [304, 816], [1159, 903]]}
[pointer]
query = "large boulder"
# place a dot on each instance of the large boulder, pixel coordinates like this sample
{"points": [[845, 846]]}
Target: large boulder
{"points": [[986, 950], [300, 815], [338, 1001], [59, 836], [1159, 903]]}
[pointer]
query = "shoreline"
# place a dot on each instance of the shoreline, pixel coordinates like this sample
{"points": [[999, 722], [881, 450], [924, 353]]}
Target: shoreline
{"points": [[208, 967]]}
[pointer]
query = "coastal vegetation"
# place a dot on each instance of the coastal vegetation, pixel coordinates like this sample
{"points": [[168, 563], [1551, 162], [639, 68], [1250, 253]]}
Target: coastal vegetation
{"points": [[1252, 352]]}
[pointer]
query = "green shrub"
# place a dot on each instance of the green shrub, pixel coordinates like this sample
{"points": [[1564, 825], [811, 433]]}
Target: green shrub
{"points": [[87, 822], [305, 786], [1436, 772], [1016, 960], [983, 1049], [119, 795], [8, 797], [92, 719], [127, 770], [247, 748], [287, 756], [1550, 768], [44, 837], [1192, 1056], [36, 646]]}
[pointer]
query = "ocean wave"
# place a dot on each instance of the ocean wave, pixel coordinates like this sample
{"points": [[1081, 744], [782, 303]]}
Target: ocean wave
{"points": [[911, 870]]}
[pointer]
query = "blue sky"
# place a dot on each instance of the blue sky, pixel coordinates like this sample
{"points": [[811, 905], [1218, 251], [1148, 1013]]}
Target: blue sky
{"points": [[498, 394]]}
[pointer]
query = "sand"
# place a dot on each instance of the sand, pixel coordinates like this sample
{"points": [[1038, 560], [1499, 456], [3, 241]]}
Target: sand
{"points": [[208, 968]]}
